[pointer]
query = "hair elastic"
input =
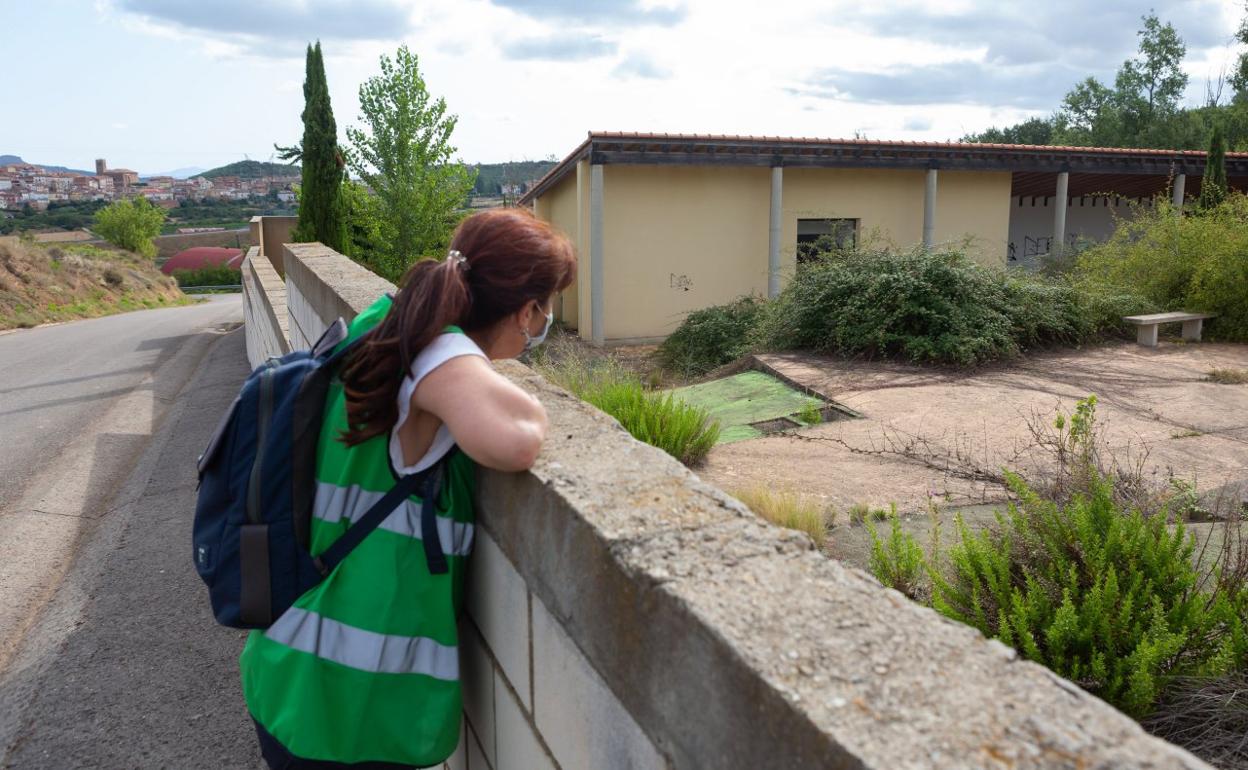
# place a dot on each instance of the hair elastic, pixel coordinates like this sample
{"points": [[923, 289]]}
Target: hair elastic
{"points": [[457, 259]]}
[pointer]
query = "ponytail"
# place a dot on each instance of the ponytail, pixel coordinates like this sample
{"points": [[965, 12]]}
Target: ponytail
{"points": [[501, 259], [434, 296]]}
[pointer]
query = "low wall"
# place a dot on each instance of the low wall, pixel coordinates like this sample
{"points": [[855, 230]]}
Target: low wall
{"points": [[264, 309], [271, 234], [623, 613]]}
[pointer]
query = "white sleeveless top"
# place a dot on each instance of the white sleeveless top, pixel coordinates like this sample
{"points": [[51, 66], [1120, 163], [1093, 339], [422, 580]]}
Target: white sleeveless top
{"points": [[443, 348]]}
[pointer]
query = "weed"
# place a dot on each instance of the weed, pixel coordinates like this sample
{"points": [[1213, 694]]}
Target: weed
{"points": [[686, 432], [810, 414], [898, 561], [1228, 376], [789, 509], [859, 513]]}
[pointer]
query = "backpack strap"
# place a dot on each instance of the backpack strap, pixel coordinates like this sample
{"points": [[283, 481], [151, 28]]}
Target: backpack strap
{"points": [[429, 482], [307, 417]]}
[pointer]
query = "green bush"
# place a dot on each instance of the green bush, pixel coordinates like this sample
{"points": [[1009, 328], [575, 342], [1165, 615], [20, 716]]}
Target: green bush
{"points": [[1105, 597], [685, 432], [711, 337], [1195, 262], [898, 561], [218, 275], [928, 307]]}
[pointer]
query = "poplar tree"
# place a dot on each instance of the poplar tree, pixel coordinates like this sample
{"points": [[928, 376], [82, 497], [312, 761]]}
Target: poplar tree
{"points": [[1213, 183], [320, 194], [403, 152]]}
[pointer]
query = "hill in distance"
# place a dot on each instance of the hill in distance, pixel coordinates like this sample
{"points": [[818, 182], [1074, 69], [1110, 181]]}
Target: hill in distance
{"points": [[178, 173], [492, 176], [15, 159], [251, 169]]}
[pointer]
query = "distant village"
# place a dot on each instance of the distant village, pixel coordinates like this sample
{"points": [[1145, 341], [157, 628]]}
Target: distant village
{"points": [[25, 184]]}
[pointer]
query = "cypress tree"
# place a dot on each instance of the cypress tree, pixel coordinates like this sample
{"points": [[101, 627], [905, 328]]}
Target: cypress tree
{"points": [[1213, 184], [320, 204]]}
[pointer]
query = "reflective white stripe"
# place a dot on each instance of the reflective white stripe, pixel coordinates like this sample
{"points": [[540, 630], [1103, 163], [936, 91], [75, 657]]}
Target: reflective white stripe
{"points": [[334, 503], [364, 650]]}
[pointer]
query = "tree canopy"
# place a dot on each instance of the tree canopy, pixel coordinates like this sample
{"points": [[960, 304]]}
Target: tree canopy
{"points": [[320, 194], [403, 152], [1143, 106], [130, 224]]}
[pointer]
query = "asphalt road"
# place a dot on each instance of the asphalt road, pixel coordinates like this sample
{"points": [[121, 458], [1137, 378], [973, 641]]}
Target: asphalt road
{"points": [[55, 379], [124, 666]]}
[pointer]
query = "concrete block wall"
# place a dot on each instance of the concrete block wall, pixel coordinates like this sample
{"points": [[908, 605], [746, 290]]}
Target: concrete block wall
{"points": [[265, 318], [270, 234], [623, 613]]}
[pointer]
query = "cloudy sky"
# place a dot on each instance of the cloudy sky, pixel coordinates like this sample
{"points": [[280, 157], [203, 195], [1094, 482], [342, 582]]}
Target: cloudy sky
{"points": [[155, 85]]}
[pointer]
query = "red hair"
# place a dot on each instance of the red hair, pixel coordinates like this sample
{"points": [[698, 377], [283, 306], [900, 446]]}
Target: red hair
{"points": [[511, 258]]}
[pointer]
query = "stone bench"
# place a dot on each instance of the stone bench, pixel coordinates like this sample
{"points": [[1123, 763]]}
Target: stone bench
{"points": [[1146, 334]]}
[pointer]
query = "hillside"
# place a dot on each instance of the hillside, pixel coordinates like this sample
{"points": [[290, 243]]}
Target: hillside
{"points": [[251, 169], [15, 159], [492, 176], [40, 284]]}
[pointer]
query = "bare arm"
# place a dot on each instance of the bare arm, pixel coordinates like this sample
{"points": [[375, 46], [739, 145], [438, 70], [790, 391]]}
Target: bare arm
{"points": [[495, 422]]}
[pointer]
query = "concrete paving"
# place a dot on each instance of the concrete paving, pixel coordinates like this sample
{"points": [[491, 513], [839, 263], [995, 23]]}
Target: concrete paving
{"points": [[124, 666], [1155, 405]]}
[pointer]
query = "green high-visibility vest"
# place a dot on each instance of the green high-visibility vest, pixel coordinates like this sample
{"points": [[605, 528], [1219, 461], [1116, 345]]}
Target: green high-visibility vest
{"points": [[365, 666]]}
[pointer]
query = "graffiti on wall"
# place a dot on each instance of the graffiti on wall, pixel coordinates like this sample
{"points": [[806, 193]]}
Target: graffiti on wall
{"points": [[1037, 247]]}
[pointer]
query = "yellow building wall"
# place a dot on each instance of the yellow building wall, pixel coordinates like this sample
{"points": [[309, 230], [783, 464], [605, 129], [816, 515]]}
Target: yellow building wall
{"points": [[888, 204], [681, 238], [676, 239], [974, 204], [559, 207]]}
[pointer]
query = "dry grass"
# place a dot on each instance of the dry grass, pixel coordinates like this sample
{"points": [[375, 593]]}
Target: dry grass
{"points": [[1228, 376], [1208, 717], [42, 284], [788, 509]]}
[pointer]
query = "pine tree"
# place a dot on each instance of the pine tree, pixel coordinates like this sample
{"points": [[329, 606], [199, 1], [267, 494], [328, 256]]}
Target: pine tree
{"points": [[1213, 185], [320, 204]]}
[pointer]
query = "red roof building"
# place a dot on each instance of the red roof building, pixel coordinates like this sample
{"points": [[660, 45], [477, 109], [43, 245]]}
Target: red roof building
{"points": [[199, 257]]}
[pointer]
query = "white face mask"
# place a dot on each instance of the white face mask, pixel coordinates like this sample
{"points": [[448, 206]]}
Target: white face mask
{"points": [[530, 341]]}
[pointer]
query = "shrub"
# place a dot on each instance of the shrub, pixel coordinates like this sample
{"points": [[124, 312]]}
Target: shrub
{"points": [[685, 432], [928, 307], [219, 275], [898, 561], [1106, 597], [1191, 262], [788, 509], [711, 337]]}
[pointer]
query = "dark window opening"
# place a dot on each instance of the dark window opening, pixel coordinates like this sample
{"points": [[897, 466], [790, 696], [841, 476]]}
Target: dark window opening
{"points": [[815, 236]]}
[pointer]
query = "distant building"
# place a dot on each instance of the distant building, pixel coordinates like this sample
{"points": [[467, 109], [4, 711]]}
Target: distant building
{"points": [[122, 177], [100, 166]]}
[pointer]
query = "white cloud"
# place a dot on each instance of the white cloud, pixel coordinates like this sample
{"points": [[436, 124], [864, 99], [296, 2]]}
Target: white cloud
{"points": [[530, 77]]}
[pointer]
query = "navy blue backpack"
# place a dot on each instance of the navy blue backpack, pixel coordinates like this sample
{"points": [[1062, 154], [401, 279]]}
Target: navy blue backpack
{"points": [[257, 486]]}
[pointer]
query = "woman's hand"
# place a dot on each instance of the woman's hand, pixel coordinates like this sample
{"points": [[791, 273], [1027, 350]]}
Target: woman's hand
{"points": [[494, 422]]}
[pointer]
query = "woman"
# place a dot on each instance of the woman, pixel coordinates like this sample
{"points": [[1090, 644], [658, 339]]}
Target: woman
{"points": [[363, 670]]}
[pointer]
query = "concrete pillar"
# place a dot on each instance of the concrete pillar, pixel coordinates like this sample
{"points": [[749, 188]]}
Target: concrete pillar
{"points": [[929, 210], [1180, 187], [773, 232], [595, 255], [1059, 215]]}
